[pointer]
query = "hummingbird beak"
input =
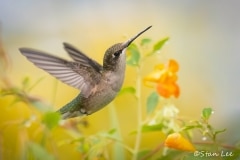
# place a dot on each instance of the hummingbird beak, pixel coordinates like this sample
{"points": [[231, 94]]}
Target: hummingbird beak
{"points": [[127, 43]]}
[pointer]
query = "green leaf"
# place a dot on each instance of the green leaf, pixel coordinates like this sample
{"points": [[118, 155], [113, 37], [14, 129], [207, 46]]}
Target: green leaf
{"points": [[185, 128], [135, 55], [125, 90], [206, 113], [145, 41], [51, 119], [158, 46], [25, 83], [84, 146], [39, 152], [152, 102], [150, 128], [218, 132], [112, 131]]}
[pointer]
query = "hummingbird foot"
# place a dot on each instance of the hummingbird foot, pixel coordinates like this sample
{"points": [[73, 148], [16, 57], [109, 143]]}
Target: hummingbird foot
{"points": [[73, 114]]}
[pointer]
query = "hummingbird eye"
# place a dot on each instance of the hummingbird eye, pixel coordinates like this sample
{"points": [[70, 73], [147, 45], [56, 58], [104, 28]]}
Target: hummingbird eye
{"points": [[117, 53]]}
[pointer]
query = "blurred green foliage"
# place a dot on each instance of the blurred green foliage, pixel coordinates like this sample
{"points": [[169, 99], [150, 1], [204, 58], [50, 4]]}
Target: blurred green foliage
{"points": [[152, 102], [42, 135]]}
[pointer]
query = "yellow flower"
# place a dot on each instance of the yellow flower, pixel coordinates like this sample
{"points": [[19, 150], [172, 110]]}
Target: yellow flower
{"points": [[166, 78], [177, 141]]}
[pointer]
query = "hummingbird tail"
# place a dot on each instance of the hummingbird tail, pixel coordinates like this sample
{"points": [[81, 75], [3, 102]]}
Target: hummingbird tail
{"points": [[71, 109]]}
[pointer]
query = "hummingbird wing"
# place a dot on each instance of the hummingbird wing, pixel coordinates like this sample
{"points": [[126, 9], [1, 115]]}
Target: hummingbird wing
{"points": [[80, 57], [74, 74]]}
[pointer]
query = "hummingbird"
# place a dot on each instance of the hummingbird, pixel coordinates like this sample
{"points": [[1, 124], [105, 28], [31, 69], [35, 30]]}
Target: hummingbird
{"points": [[98, 84]]}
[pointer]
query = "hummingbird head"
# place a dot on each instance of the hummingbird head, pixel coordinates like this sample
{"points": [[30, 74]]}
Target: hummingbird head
{"points": [[115, 55]]}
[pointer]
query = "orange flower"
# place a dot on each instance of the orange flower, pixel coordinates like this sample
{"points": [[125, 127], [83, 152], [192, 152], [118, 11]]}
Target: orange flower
{"points": [[177, 141], [166, 78]]}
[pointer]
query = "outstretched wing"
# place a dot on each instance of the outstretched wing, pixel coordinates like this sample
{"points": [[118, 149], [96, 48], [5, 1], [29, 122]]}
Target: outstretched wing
{"points": [[71, 73], [80, 57]]}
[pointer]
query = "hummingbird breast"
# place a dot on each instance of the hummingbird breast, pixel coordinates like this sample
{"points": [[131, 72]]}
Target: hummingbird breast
{"points": [[106, 90], [104, 93]]}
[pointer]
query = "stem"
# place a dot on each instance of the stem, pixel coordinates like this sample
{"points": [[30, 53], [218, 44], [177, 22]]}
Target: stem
{"points": [[120, 142], [154, 151], [226, 146], [118, 152], [139, 115]]}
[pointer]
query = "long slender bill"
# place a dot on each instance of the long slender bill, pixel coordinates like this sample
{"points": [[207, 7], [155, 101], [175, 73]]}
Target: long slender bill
{"points": [[128, 42]]}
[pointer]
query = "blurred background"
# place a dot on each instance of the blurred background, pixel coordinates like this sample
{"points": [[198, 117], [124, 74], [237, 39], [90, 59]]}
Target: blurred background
{"points": [[204, 39]]}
